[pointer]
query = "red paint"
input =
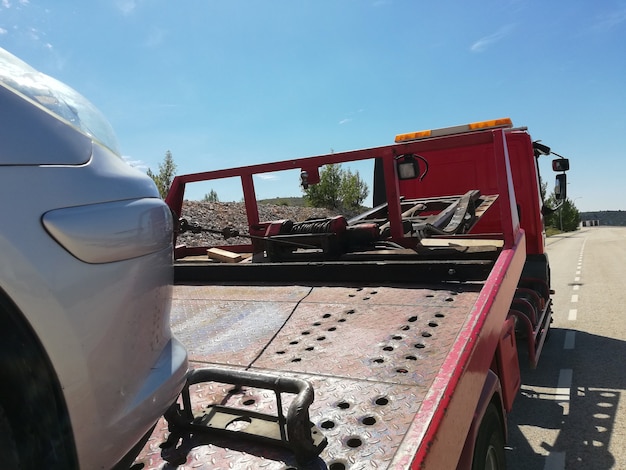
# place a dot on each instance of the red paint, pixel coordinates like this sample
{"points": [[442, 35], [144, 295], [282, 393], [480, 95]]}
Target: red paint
{"points": [[481, 362]]}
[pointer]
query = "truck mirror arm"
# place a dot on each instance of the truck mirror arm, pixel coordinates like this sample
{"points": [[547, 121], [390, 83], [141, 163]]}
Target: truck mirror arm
{"points": [[547, 210]]}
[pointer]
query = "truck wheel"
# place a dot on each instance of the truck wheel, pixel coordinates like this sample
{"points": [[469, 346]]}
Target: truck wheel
{"points": [[8, 449], [489, 449]]}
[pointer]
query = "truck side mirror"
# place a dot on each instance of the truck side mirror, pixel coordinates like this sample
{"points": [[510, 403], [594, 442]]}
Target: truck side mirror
{"points": [[560, 164], [560, 189]]}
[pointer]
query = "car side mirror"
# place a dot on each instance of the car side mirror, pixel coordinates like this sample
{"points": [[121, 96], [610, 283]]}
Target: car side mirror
{"points": [[560, 189], [560, 164]]}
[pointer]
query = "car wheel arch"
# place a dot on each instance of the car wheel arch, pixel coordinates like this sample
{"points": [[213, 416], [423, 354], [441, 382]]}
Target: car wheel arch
{"points": [[31, 395]]}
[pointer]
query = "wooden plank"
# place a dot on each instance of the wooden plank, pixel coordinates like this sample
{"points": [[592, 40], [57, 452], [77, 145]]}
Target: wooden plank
{"points": [[223, 255], [464, 242]]}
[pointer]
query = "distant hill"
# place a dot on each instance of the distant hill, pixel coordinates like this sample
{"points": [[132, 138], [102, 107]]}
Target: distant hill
{"points": [[617, 218]]}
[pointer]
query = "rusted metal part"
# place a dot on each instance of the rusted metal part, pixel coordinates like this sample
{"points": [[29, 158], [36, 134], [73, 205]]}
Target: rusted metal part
{"points": [[533, 334], [364, 422], [292, 430], [371, 354]]}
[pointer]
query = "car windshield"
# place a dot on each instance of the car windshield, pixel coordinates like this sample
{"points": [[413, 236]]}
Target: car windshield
{"points": [[57, 98]]}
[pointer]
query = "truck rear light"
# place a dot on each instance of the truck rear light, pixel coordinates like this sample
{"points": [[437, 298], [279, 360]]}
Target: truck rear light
{"points": [[112, 231], [474, 126]]}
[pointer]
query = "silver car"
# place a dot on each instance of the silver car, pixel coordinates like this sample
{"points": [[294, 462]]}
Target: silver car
{"points": [[87, 359]]}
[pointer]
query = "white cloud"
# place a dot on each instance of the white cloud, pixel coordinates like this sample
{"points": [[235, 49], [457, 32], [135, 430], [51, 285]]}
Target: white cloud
{"points": [[139, 164], [267, 176], [126, 6], [156, 37], [7, 3], [3, 31], [610, 20], [351, 116], [483, 43], [34, 34]]}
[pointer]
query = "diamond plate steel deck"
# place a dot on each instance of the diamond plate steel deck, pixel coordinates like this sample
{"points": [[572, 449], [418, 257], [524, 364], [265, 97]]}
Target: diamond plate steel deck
{"points": [[230, 325], [371, 354]]}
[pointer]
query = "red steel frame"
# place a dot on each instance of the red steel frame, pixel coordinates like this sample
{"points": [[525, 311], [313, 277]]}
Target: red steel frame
{"points": [[468, 164], [460, 382], [507, 219], [176, 194], [436, 438]]}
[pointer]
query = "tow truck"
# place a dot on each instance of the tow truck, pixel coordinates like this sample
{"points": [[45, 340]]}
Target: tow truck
{"points": [[388, 340]]}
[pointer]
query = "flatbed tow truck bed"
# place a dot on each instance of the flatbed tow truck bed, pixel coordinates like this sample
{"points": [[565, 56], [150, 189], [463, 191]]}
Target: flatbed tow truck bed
{"points": [[369, 353], [377, 355], [384, 341]]}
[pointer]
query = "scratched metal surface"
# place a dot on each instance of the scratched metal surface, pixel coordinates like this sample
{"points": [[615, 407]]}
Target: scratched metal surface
{"points": [[229, 324], [370, 353]]}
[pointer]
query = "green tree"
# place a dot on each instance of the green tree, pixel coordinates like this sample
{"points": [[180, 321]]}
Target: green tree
{"points": [[337, 189], [569, 216], [326, 192], [167, 171], [353, 190], [211, 197], [566, 218]]}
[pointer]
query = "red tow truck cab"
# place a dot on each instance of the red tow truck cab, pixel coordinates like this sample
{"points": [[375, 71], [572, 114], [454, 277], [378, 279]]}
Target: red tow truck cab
{"points": [[384, 340]]}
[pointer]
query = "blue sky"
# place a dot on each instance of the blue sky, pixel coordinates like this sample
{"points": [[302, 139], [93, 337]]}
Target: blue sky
{"points": [[224, 83]]}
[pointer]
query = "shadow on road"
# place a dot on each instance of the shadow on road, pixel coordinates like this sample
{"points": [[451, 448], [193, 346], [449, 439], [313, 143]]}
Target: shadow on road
{"points": [[580, 420]]}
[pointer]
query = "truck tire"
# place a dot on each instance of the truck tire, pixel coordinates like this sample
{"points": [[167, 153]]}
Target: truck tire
{"points": [[8, 449], [489, 448]]}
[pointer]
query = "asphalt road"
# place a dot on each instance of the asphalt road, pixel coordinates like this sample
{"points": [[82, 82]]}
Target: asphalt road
{"points": [[571, 411]]}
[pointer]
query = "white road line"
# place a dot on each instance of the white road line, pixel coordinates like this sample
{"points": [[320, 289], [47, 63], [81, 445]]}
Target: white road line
{"points": [[564, 385], [555, 461]]}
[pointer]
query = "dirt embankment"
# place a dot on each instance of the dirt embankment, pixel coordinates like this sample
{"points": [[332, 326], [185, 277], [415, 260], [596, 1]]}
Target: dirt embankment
{"points": [[219, 215]]}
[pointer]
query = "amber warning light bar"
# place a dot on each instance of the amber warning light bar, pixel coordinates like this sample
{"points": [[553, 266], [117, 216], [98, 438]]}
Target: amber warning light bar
{"points": [[474, 126]]}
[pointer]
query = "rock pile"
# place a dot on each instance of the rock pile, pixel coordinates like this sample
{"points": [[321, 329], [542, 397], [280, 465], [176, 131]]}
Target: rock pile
{"points": [[219, 215]]}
